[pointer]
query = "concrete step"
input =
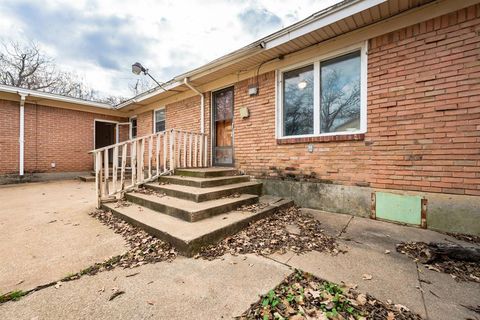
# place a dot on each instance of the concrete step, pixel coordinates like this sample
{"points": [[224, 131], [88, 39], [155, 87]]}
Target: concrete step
{"points": [[204, 194], [206, 172], [203, 182], [189, 210], [87, 178], [188, 237]]}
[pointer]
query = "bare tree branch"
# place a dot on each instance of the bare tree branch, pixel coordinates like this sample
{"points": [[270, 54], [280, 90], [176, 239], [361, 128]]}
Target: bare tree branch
{"points": [[27, 67]]}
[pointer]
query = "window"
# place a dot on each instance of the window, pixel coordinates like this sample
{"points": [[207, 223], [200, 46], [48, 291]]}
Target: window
{"points": [[159, 117], [325, 97], [298, 101], [133, 128], [340, 94]]}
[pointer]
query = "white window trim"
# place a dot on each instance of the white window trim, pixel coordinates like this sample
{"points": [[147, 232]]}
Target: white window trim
{"points": [[154, 118], [131, 127], [363, 47]]}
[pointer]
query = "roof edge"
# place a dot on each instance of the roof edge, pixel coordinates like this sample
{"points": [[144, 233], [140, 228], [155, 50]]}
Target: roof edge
{"points": [[53, 96], [254, 47]]}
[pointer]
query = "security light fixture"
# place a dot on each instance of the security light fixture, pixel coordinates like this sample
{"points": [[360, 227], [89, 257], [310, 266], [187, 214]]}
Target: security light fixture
{"points": [[137, 68]]}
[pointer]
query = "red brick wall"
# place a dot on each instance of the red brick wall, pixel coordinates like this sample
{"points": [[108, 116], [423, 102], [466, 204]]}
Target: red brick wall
{"points": [[423, 118], [51, 135], [9, 128], [144, 123], [185, 114], [424, 106]]}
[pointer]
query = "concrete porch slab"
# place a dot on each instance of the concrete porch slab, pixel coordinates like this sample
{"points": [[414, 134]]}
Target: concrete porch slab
{"points": [[206, 172], [189, 237]]}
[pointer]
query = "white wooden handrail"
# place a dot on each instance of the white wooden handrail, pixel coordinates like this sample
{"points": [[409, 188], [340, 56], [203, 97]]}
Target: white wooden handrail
{"points": [[145, 159]]}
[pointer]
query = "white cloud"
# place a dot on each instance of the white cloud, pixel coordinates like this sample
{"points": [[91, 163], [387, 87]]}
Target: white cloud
{"points": [[100, 39]]}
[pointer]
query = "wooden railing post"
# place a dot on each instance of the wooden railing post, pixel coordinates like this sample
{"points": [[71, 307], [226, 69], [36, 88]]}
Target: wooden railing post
{"points": [[106, 172], [180, 149], [201, 151], [114, 169], [205, 164], [133, 152], [172, 139], [122, 170], [165, 151], [150, 147], [98, 177]]}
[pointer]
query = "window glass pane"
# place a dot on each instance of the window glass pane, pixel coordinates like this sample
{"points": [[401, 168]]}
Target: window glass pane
{"points": [[134, 127], [160, 115], [223, 105], [160, 120], [298, 101], [340, 94]]}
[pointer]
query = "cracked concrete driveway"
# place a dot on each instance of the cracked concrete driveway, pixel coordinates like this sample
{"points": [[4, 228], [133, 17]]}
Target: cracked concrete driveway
{"points": [[396, 277], [42, 244], [46, 233]]}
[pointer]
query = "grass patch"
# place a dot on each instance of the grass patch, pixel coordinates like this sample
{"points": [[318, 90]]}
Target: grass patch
{"points": [[304, 296], [12, 296]]}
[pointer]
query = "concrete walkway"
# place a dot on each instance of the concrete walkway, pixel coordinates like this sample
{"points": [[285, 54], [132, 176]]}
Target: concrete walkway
{"points": [[46, 233], [394, 275], [182, 289], [224, 288]]}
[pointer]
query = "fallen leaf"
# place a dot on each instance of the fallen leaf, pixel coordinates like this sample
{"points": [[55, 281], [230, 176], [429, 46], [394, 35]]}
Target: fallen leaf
{"points": [[367, 276], [150, 302], [387, 251], [390, 316], [361, 299], [116, 294], [401, 307]]}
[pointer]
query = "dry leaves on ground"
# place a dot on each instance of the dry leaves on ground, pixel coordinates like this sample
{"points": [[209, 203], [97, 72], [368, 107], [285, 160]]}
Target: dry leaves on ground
{"points": [[465, 237], [143, 248], [148, 191], [274, 234], [459, 270], [304, 296]]}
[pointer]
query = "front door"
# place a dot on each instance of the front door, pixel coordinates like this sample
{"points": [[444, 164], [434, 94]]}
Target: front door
{"points": [[223, 127]]}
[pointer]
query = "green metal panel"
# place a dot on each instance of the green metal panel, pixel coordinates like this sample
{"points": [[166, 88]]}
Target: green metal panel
{"points": [[400, 208]]}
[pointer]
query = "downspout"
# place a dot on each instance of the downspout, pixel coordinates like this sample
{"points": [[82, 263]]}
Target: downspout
{"points": [[202, 104], [21, 139]]}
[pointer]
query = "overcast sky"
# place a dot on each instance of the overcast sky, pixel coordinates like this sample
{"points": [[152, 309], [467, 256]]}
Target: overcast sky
{"points": [[100, 39]]}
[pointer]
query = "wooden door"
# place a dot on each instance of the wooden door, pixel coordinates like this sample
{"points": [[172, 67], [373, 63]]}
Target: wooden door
{"points": [[223, 127]]}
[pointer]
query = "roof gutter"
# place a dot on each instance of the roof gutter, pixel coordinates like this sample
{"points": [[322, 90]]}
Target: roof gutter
{"points": [[319, 20], [52, 96], [202, 104]]}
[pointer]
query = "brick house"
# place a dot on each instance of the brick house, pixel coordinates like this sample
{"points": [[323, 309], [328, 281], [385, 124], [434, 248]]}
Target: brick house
{"points": [[365, 97]]}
